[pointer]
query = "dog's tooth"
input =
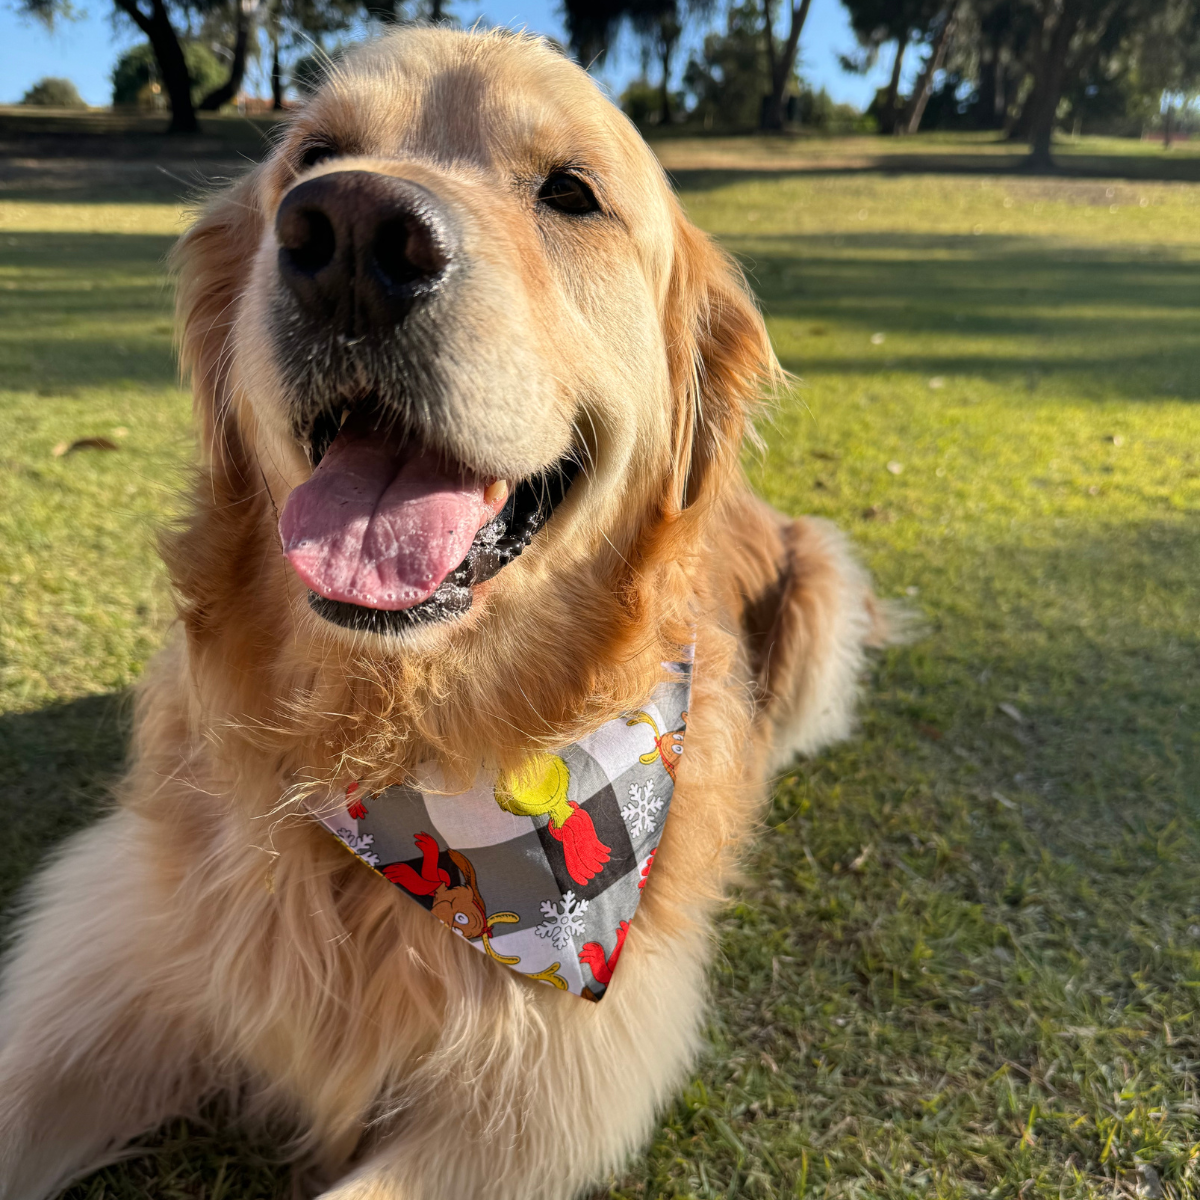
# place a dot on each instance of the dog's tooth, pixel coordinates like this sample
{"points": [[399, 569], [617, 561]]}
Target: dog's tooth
{"points": [[496, 492]]}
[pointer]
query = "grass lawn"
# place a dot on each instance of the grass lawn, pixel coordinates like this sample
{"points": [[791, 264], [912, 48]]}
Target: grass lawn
{"points": [[967, 960]]}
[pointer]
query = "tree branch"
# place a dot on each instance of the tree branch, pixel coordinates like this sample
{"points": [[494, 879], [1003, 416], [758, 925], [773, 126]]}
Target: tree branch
{"points": [[788, 58], [135, 14], [226, 91]]}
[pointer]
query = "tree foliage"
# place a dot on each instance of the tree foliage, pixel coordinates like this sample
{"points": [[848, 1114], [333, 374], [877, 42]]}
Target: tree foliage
{"points": [[136, 74], [730, 77], [173, 58], [592, 25], [730, 82], [52, 92], [310, 70]]}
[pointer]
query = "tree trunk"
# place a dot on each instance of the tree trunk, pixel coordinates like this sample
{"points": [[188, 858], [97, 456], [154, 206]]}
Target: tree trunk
{"points": [[887, 116], [172, 66], [924, 88], [1013, 75], [782, 65], [436, 12], [1022, 122], [667, 39], [989, 88], [1005, 88], [386, 12], [769, 37], [237, 68], [1050, 84], [1167, 127], [276, 73]]}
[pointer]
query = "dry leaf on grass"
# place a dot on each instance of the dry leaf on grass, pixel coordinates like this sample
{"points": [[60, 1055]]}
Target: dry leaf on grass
{"points": [[88, 443]]}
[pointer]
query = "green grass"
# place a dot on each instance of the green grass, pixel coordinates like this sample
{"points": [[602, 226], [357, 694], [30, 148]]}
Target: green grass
{"points": [[968, 960], [978, 153]]}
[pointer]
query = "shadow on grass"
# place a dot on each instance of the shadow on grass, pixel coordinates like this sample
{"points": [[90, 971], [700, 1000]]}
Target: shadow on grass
{"points": [[81, 310], [1134, 168], [1115, 319], [120, 157], [189, 1160], [1093, 639], [84, 181], [57, 765], [21, 125]]}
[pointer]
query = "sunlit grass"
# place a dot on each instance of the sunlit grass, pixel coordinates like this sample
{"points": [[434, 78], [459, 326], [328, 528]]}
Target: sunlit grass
{"points": [[967, 960], [85, 351]]}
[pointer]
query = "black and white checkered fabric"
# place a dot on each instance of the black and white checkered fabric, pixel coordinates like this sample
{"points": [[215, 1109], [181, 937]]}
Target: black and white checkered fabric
{"points": [[544, 878]]}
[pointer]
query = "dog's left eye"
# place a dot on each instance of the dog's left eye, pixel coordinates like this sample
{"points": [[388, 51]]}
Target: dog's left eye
{"points": [[316, 152], [568, 194]]}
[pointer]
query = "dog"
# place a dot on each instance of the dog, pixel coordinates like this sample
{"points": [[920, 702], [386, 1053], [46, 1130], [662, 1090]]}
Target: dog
{"points": [[472, 394]]}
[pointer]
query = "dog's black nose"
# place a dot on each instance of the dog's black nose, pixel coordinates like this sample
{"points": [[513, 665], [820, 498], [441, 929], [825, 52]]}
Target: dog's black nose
{"points": [[360, 248]]}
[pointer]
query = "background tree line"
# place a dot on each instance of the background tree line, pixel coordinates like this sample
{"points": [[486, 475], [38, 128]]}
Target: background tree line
{"points": [[1029, 67], [1024, 67], [197, 52]]}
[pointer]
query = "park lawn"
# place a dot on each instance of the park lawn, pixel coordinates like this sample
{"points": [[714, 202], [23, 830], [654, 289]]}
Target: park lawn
{"points": [[967, 958], [682, 149]]}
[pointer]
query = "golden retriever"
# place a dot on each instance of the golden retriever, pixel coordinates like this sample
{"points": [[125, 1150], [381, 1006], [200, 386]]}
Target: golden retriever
{"points": [[461, 271]]}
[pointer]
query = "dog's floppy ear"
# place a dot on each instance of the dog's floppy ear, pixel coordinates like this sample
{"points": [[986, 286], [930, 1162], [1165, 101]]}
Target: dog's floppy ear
{"points": [[211, 261], [720, 360]]}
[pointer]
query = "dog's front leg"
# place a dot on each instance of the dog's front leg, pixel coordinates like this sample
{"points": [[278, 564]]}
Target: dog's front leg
{"points": [[94, 1049], [551, 1094]]}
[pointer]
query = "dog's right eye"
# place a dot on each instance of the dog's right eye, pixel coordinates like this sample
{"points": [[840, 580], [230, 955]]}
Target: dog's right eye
{"points": [[568, 194], [315, 153]]}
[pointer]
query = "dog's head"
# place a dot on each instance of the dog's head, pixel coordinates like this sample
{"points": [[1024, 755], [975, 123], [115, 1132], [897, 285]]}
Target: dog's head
{"points": [[459, 334]]}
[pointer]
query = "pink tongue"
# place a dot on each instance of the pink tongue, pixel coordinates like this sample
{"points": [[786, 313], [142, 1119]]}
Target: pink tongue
{"points": [[377, 529]]}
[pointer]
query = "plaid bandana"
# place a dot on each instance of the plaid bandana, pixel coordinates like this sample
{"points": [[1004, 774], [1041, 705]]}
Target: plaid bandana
{"points": [[542, 869]]}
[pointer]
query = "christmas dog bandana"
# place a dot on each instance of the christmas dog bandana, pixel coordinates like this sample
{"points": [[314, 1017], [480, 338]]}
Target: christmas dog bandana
{"points": [[542, 869]]}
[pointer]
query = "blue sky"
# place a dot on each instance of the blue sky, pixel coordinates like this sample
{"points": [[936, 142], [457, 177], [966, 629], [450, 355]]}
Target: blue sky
{"points": [[85, 50]]}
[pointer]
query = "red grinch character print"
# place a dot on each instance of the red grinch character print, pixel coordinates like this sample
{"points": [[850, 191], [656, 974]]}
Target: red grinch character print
{"points": [[646, 868], [356, 810], [460, 906], [667, 746], [592, 956]]}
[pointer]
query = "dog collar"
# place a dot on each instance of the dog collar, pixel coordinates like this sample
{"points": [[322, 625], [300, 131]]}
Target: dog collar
{"points": [[542, 869]]}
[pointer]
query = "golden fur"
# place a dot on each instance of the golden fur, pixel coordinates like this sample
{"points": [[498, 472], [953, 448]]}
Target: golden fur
{"points": [[206, 939]]}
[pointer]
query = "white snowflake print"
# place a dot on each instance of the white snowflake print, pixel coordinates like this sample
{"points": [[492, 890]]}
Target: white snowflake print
{"points": [[559, 926], [360, 843], [642, 808]]}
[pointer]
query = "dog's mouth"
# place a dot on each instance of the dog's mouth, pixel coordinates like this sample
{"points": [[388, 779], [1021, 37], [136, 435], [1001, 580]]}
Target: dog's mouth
{"points": [[389, 534]]}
